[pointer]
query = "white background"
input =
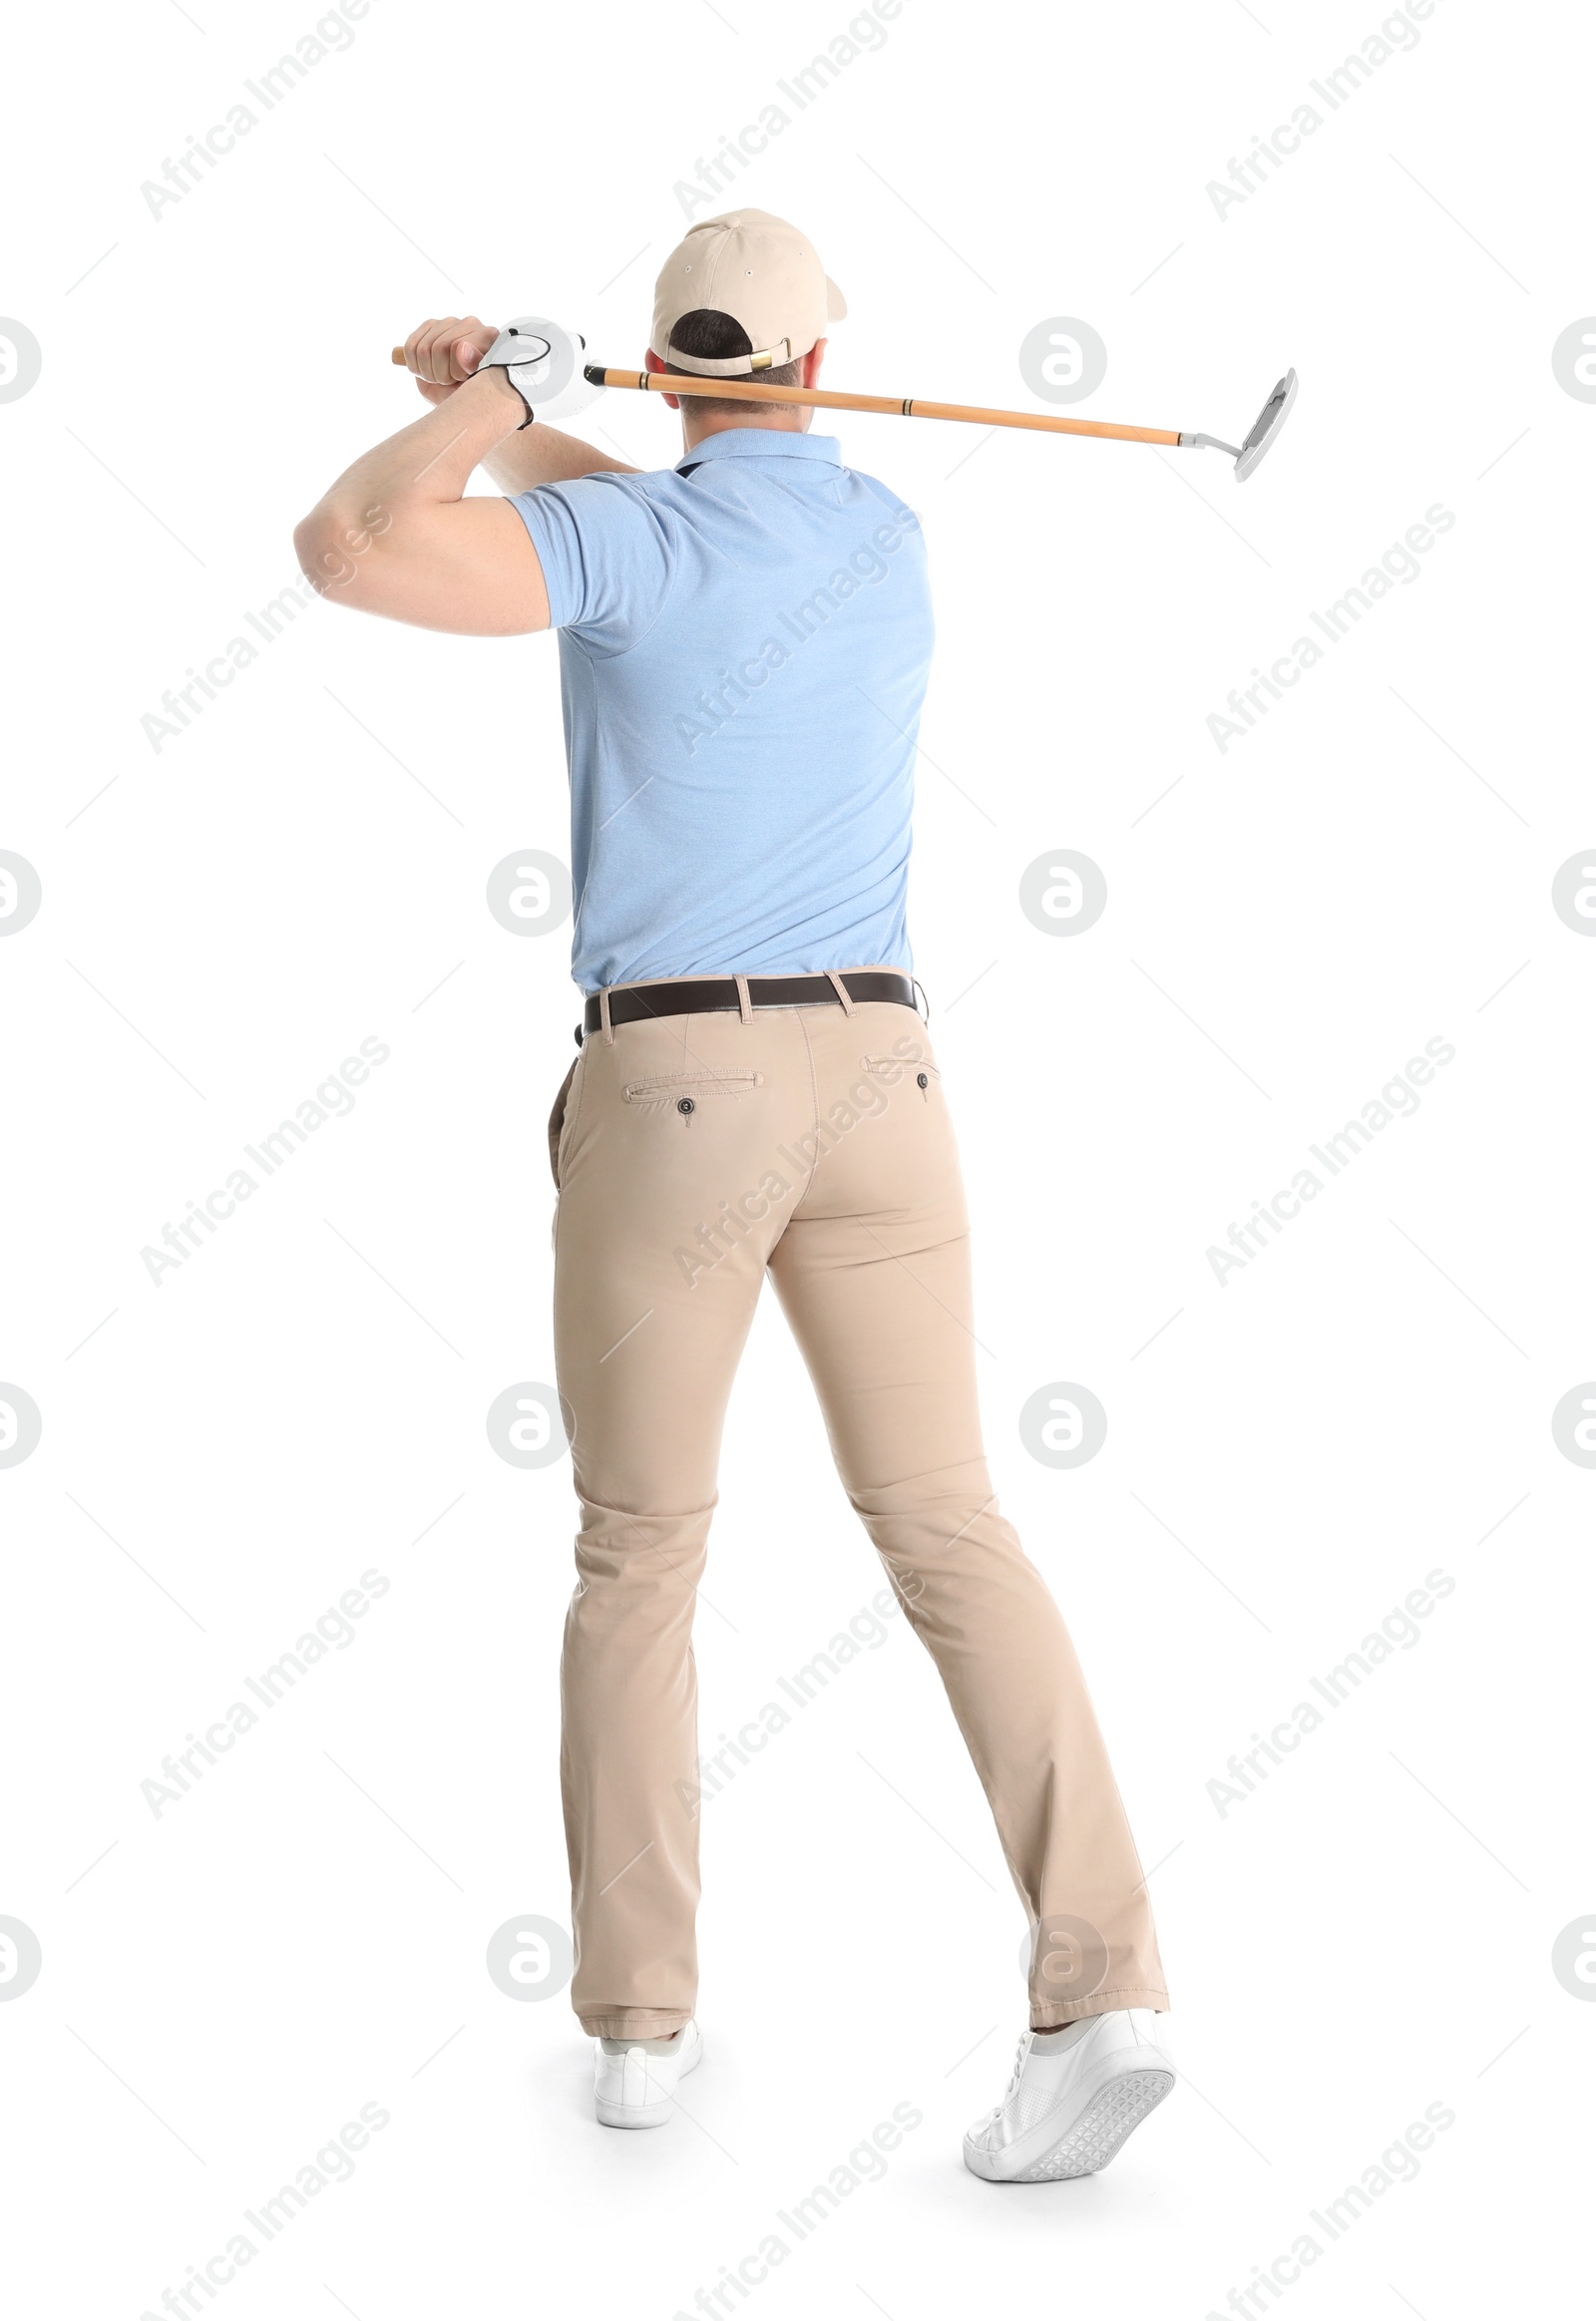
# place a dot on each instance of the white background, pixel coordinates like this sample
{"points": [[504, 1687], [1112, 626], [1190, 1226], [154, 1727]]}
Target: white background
{"points": [[304, 1400]]}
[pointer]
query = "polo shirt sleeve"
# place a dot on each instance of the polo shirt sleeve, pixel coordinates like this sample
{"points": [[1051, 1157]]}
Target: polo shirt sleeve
{"points": [[607, 557]]}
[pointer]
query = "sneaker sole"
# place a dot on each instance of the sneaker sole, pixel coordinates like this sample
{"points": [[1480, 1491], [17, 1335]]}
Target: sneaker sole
{"points": [[1091, 2140], [646, 2114]]}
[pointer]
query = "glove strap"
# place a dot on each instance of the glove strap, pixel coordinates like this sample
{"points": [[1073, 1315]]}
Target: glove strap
{"points": [[524, 360]]}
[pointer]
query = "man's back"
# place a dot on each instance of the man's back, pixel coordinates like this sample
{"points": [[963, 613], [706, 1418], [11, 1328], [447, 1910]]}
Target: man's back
{"points": [[744, 646]]}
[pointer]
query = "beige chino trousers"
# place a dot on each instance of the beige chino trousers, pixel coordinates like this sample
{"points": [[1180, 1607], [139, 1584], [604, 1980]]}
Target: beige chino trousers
{"points": [[693, 1153]]}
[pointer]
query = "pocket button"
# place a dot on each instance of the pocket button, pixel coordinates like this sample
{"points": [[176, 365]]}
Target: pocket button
{"points": [[685, 1105], [920, 1080]]}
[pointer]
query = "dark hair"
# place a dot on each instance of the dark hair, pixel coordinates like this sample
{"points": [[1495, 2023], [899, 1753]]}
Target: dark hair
{"points": [[715, 337]]}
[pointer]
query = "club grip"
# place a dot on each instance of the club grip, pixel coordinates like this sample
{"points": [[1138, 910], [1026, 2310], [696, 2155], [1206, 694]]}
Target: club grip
{"points": [[398, 356]]}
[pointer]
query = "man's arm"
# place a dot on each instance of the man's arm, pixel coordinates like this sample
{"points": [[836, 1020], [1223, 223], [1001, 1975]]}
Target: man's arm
{"points": [[395, 534]]}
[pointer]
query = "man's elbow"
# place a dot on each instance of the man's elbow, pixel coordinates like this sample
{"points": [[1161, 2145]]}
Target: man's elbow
{"points": [[322, 559]]}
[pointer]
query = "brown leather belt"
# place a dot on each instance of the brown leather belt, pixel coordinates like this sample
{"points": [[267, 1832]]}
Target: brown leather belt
{"points": [[717, 995]]}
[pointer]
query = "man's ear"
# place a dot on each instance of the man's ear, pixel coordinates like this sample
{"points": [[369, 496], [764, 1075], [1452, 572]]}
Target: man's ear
{"points": [[652, 362], [810, 376]]}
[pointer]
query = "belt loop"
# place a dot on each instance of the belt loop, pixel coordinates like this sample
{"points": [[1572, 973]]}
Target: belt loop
{"points": [[921, 988], [603, 1017], [745, 1006], [841, 990]]}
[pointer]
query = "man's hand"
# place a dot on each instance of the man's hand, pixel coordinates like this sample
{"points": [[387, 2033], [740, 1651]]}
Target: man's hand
{"points": [[443, 353]]}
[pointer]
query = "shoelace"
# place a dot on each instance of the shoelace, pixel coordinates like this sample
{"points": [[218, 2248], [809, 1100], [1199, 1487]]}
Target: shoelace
{"points": [[1020, 2053]]}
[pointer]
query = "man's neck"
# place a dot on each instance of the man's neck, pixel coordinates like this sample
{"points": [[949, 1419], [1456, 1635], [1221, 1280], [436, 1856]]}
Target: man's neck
{"points": [[778, 422]]}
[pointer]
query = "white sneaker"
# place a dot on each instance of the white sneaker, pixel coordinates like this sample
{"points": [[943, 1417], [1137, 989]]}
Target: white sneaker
{"points": [[1073, 2099], [635, 2080]]}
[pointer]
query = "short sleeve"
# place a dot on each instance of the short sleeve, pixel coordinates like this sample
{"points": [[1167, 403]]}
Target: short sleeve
{"points": [[607, 556]]}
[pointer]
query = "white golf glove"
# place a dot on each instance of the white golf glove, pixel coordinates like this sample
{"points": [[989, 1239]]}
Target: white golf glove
{"points": [[543, 363]]}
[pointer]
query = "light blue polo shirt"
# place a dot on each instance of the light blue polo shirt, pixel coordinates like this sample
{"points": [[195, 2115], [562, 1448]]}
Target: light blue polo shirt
{"points": [[745, 644]]}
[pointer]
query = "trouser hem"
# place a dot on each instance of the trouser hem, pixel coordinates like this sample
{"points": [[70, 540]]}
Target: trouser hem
{"points": [[637, 2022], [1058, 2011]]}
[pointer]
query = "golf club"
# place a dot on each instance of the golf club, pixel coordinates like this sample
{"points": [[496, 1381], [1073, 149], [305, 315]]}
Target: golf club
{"points": [[561, 384]]}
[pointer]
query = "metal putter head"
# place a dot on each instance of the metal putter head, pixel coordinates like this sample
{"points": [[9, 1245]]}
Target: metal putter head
{"points": [[1266, 426], [1259, 436]]}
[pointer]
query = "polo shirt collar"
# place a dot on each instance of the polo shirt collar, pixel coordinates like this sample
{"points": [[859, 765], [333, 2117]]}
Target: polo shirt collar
{"points": [[762, 443]]}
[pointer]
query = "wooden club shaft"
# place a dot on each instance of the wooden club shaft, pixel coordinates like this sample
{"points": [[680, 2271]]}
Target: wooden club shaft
{"points": [[891, 406]]}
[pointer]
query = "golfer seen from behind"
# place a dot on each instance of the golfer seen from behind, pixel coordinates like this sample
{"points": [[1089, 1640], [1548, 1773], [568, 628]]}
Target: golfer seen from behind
{"points": [[744, 642]]}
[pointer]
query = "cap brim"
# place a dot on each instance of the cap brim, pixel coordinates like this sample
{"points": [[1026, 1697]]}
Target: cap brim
{"points": [[836, 303]]}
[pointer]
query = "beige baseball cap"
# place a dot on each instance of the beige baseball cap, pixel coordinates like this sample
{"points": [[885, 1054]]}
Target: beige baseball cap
{"points": [[763, 273]]}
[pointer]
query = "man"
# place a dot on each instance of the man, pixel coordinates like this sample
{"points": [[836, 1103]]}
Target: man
{"points": [[744, 645]]}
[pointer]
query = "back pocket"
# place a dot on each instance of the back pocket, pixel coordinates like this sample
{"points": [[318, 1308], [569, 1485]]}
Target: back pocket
{"points": [[685, 1091]]}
